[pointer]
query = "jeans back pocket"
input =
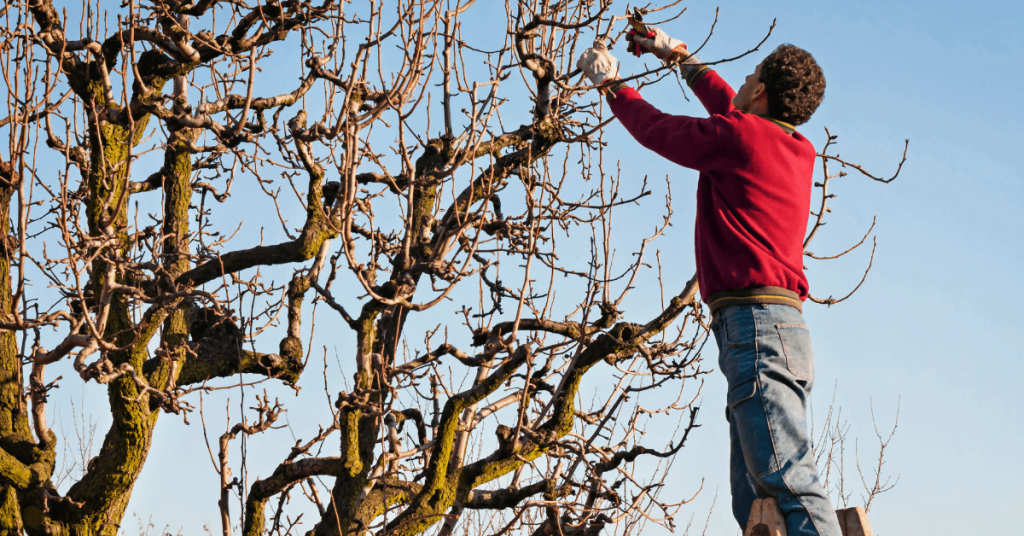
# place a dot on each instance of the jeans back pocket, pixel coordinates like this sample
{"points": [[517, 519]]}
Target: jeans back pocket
{"points": [[796, 344]]}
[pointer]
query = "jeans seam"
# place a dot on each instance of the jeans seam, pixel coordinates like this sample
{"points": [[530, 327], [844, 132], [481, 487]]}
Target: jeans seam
{"points": [[800, 499], [782, 474], [774, 465]]}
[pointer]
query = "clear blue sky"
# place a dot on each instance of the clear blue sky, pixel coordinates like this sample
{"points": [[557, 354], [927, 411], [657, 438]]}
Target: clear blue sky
{"points": [[933, 324]]}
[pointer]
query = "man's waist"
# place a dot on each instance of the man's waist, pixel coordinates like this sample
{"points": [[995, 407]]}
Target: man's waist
{"points": [[754, 295]]}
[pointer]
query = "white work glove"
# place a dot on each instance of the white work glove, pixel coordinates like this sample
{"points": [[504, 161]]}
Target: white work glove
{"points": [[598, 64], [661, 45]]}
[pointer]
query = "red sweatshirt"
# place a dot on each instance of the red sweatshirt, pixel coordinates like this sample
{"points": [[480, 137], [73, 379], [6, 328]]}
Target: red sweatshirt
{"points": [[754, 190]]}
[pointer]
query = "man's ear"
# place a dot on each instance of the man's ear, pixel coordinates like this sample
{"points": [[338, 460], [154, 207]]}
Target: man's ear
{"points": [[759, 92]]}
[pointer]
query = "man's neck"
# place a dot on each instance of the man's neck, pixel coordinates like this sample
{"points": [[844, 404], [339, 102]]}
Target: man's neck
{"points": [[758, 108]]}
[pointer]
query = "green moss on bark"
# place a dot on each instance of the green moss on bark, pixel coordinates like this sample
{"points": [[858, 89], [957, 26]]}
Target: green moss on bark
{"points": [[21, 465]]}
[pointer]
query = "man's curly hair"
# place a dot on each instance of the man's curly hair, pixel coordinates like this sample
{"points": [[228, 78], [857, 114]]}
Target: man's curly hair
{"points": [[794, 84]]}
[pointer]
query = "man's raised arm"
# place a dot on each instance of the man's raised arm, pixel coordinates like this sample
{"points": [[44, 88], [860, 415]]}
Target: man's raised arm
{"points": [[687, 141], [714, 93]]}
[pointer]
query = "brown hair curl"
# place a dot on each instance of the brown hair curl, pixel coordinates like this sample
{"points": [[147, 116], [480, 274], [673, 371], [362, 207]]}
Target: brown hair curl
{"points": [[794, 84]]}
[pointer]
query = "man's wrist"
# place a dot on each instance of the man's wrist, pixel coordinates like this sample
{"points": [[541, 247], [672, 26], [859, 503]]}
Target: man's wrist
{"points": [[691, 66], [612, 86], [694, 72], [679, 54]]}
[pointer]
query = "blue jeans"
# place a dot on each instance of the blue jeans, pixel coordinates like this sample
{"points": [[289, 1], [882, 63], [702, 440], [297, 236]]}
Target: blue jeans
{"points": [[765, 353]]}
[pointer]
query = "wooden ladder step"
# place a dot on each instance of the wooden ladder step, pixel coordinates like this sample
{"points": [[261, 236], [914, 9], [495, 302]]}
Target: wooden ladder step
{"points": [[854, 522], [766, 519]]}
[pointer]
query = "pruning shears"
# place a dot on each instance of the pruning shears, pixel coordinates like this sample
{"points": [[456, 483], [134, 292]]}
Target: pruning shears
{"points": [[637, 27]]}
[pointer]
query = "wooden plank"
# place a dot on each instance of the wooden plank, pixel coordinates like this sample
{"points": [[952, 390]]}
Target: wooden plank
{"points": [[755, 517], [766, 519], [776, 521], [854, 522]]}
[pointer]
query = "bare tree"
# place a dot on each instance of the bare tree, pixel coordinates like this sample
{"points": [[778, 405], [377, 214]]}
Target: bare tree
{"points": [[829, 452], [130, 128]]}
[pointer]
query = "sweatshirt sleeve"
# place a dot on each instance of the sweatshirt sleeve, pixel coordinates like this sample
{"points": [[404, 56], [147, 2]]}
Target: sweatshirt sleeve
{"points": [[714, 93], [687, 141]]}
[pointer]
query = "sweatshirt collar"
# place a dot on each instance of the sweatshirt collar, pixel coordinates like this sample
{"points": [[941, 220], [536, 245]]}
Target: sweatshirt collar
{"points": [[790, 129]]}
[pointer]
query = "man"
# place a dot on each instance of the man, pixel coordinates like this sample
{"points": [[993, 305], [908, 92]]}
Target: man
{"points": [[753, 198]]}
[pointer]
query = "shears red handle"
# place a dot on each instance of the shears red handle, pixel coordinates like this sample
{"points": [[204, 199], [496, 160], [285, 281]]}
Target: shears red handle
{"points": [[637, 27], [633, 46]]}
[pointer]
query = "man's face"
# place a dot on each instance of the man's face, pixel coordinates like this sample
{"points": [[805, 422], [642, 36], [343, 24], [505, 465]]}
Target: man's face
{"points": [[751, 90]]}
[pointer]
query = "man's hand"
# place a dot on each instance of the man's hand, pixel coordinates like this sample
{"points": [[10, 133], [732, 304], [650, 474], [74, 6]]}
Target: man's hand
{"points": [[661, 45], [598, 64]]}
